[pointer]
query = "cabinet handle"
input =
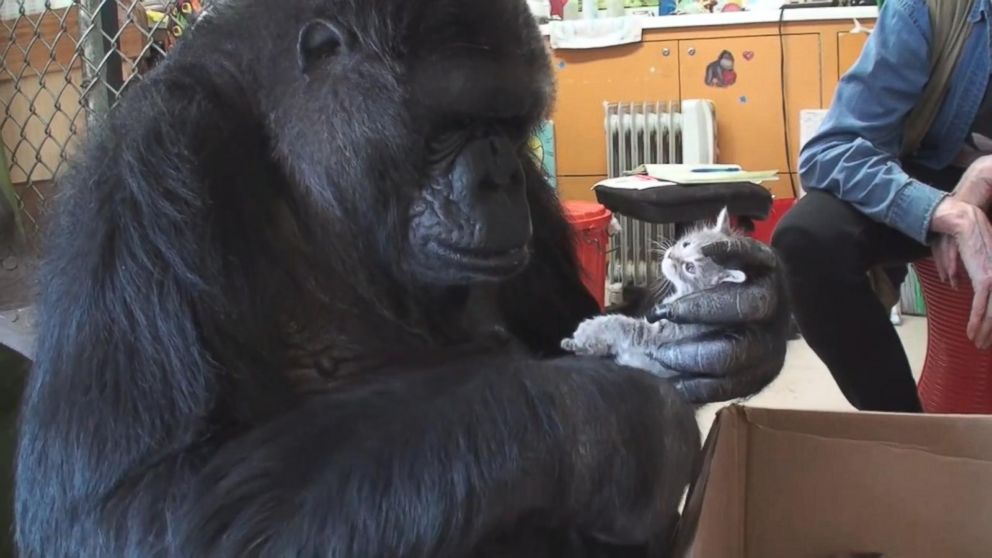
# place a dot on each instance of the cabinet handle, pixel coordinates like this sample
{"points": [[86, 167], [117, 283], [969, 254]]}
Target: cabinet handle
{"points": [[665, 52], [692, 51]]}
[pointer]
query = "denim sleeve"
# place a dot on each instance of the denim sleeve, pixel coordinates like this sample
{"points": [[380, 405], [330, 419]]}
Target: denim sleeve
{"points": [[855, 153]]}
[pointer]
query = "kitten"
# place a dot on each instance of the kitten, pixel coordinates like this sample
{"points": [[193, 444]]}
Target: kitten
{"points": [[687, 270]]}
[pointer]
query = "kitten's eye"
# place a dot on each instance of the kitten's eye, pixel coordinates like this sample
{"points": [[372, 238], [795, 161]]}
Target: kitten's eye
{"points": [[685, 244], [689, 267]]}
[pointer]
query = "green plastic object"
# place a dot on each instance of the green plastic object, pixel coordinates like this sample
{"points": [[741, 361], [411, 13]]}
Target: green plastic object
{"points": [[9, 194]]}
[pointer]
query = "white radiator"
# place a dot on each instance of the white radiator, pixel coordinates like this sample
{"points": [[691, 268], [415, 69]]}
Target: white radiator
{"points": [[651, 132]]}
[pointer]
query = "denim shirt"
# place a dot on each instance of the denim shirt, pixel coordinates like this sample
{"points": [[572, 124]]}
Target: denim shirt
{"points": [[855, 153]]}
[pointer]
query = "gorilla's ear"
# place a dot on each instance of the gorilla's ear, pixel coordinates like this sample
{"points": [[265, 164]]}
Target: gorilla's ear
{"points": [[319, 39]]}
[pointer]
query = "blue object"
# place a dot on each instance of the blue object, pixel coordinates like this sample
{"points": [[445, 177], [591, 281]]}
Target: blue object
{"points": [[667, 7], [855, 154], [714, 169]]}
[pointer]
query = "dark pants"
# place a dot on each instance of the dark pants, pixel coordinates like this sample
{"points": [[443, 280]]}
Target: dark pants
{"points": [[828, 246]]}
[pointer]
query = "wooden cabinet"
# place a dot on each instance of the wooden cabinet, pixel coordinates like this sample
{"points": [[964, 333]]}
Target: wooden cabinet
{"points": [[751, 130], [672, 64], [578, 187], [589, 78], [849, 46]]}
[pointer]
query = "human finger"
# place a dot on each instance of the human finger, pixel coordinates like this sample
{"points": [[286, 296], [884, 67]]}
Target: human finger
{"points": [[951, 259], [979, 309]]}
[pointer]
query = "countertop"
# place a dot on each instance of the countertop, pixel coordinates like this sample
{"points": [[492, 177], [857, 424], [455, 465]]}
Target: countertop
{"points": [[745, 18]]}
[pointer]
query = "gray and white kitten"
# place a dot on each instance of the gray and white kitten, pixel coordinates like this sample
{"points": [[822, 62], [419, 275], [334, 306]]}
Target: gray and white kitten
{"points": [[723, 332], [631, 341]]}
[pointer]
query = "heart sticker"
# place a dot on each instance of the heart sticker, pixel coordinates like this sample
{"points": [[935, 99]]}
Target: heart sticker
{"points": [[748, 55]]}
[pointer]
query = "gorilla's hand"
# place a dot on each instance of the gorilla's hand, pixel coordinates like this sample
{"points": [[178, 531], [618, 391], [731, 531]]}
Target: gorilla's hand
{"points": [[743, 253], [659, 312], [629, 426]]}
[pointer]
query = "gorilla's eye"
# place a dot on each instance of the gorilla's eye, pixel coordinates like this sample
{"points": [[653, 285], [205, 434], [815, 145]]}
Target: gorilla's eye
{"points": [[319, 39]]}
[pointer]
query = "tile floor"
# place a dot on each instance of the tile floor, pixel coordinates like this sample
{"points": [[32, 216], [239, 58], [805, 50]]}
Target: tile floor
{"points": [[805, 382]]}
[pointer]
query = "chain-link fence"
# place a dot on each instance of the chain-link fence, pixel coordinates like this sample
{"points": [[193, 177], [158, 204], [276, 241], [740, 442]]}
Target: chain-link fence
{"points": [[64, 63]]}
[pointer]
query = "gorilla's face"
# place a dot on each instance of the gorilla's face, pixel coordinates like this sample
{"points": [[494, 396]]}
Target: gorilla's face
{"points": [[419, 112]]}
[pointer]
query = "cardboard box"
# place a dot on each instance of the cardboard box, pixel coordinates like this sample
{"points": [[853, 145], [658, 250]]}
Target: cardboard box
{"points": [[798, 484]]}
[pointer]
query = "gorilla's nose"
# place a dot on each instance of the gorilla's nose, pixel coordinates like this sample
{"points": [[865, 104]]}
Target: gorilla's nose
{"points": [[488, 164], [490, 189], [504, 167]]}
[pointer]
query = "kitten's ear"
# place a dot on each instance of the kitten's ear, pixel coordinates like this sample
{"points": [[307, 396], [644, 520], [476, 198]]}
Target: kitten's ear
{"points": [[723, 221], [733, 276]]}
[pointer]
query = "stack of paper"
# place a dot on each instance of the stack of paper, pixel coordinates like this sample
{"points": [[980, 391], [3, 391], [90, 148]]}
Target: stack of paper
{"points": [[633, 182], [653, 176]]}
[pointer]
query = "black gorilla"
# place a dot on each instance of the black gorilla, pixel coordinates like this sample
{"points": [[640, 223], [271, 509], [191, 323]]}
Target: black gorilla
{"points": [[294, 299]]}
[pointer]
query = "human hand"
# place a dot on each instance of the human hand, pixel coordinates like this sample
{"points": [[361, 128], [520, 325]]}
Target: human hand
{"points": [[946, 257], [975, 186], [972, 234]]}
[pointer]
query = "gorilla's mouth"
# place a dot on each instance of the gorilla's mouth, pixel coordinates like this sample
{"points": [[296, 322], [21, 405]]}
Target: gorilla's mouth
{"points": [[482, 261]]}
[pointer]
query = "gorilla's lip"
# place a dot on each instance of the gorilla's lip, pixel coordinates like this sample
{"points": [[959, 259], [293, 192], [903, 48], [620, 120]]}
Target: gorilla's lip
{"points": [[482, 259]]}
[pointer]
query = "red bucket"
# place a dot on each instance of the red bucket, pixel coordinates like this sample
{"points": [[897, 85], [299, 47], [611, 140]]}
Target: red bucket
{"points": [[591, 223], [763, 230]]}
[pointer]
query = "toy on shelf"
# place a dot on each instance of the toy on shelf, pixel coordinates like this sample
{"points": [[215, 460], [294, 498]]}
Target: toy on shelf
{"points": [[174, 16], [729, 6], [689, 7], [711, 6]]}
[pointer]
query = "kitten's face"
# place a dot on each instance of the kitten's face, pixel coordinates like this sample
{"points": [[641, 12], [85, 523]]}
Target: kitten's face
{"points": [[689, 270]]}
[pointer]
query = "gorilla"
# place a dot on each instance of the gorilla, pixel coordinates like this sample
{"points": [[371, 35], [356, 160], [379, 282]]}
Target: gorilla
{"points": [[302, 295]]}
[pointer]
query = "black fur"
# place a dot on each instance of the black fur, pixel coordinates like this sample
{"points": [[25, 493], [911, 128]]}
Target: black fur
{"points": [[241, 351]]}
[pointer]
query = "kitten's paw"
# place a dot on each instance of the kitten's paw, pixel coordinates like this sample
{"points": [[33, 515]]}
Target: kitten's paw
{"points": [[569, 345], [587, 347], [598, 336]]}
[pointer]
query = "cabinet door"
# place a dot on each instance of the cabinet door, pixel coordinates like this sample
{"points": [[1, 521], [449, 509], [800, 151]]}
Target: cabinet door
{"points": [[578, 187], [849, 47], [589, 78], [747, 91]]}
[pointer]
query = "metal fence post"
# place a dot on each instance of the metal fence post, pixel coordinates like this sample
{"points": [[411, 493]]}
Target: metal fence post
{"points": [[63, 65], [101, 61]]}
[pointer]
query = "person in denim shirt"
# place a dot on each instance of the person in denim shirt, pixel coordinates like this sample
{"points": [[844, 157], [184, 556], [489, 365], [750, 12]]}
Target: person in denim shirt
{"points": [[868, 206]]}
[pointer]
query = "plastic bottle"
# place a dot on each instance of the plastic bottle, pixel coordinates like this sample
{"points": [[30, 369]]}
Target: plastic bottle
{"points": [[667, 7], [590, 9]]}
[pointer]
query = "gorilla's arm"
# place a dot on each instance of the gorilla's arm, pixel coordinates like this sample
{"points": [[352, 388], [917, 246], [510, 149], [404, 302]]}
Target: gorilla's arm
{"points": [[547, 301], [443, 459]]}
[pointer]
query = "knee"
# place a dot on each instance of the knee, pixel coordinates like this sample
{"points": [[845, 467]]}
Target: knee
{"points": [[815, 249], [796, 240]]}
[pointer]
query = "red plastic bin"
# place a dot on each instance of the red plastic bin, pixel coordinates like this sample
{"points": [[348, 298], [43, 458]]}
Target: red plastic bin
{"points": [[763, 230], [957, 377], [591, 223]]}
